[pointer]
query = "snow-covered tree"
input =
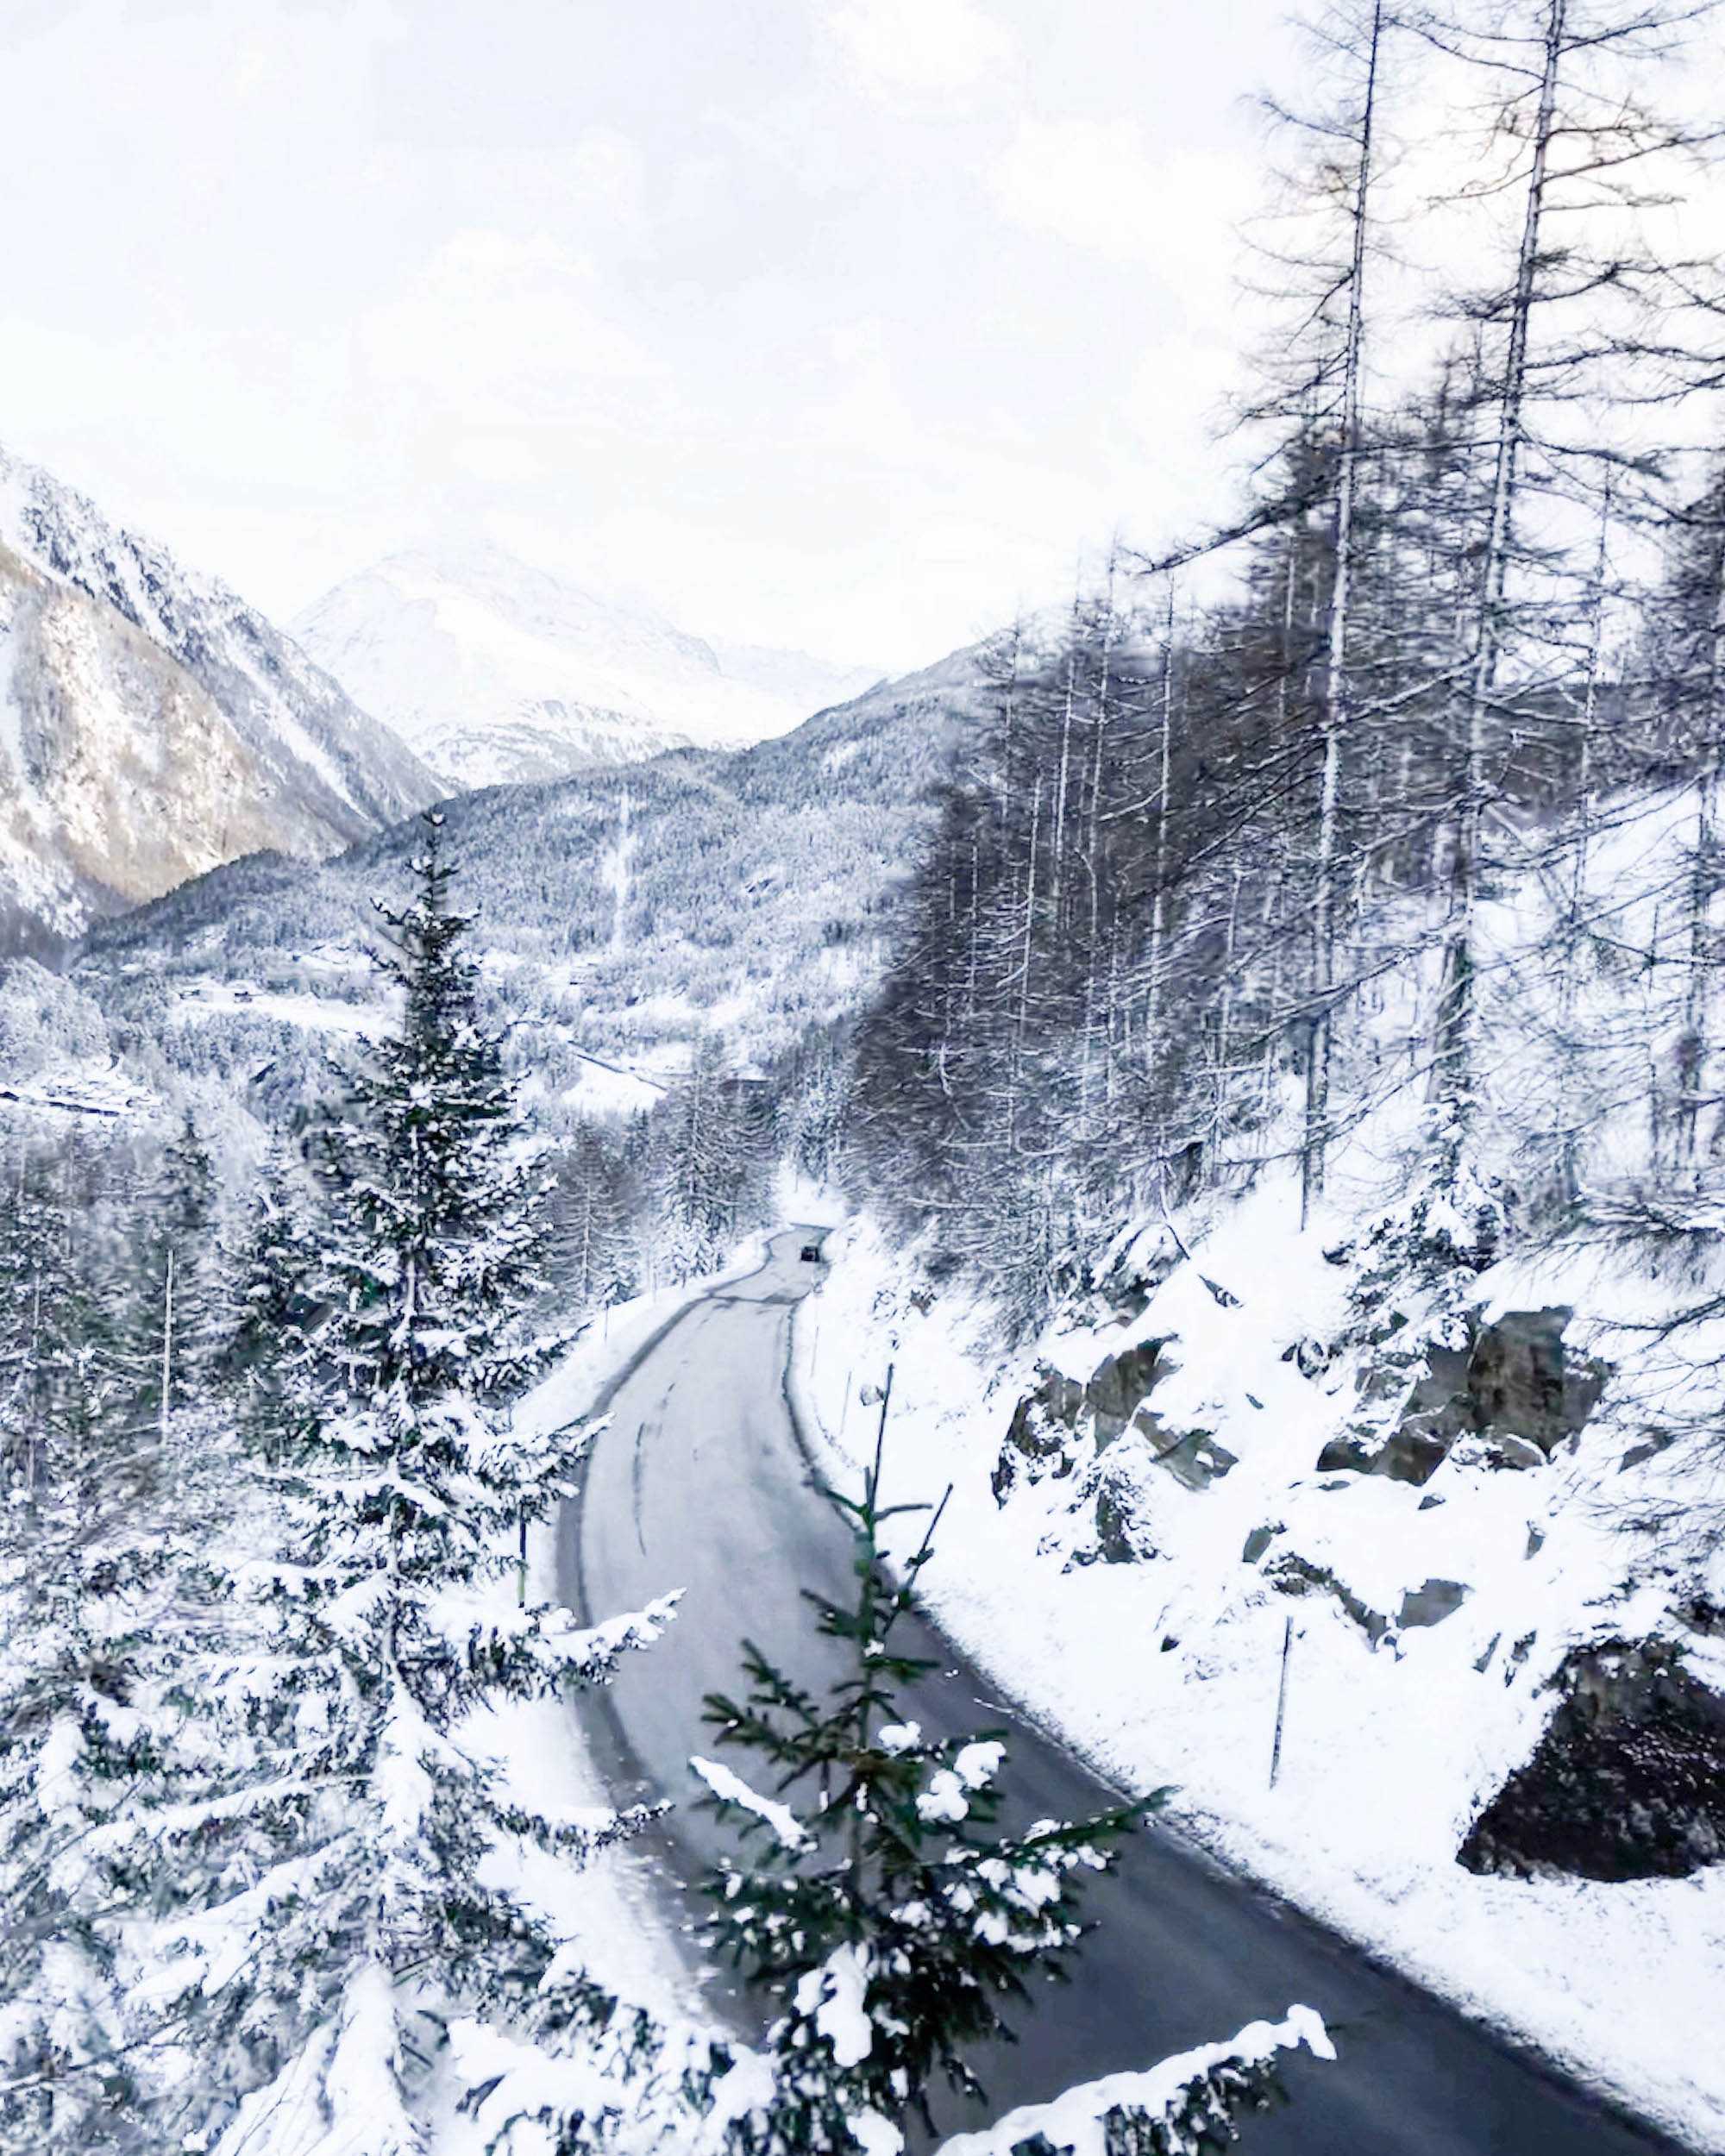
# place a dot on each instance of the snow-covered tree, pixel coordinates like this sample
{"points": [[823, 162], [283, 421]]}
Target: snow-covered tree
{"points": [[361, 1858], [591, 1257], [82, 1559], [709, 1159], [176, 1328], [874, 1896], [267, 1354]]}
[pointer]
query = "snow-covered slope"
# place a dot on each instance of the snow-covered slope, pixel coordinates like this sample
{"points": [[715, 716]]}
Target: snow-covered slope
{"points": [[624, 913], [153, 725], [496, 672]]}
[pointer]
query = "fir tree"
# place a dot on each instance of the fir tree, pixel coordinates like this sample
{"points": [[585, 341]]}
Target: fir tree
{"points": [[177, 1328], [875, 1897], [81, 1564], [347, 1915], [267, 1354]]}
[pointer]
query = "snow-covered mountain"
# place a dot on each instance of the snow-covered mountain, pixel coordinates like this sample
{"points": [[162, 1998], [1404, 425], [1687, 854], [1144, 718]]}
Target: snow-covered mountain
{"points": [[748, 893], [153, 725], [496, 672]]}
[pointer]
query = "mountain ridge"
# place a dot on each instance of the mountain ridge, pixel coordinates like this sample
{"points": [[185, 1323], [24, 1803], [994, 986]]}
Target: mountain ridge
{"points": [[499, 672], [153, 725]]}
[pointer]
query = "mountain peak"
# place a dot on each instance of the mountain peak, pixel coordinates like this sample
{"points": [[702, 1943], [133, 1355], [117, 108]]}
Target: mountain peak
{"points": [[153, 725], [496, 670]]}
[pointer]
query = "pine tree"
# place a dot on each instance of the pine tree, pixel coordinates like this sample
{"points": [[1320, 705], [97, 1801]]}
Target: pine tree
{"points": [[177, 1329], [265, 1359], [706, 1146], [591, 1253], [82, 1558], [885, 1911], [345, 1916]]}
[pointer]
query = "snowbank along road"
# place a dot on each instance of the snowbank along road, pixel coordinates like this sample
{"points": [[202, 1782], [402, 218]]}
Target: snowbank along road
{"points": [[701, 1481]]}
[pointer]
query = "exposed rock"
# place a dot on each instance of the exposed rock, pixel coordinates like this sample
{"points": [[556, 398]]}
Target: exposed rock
{"points": [[1122, 1533], [1523, 1384], [1039, 1439], [1048, 1427], [1432, 1604], [1310, 1357], [1505, 1396], [1258, 1541], [1407, 1456], [1118, 1385], [1192, 1456], [1291, 1574], [1627, 1783]]}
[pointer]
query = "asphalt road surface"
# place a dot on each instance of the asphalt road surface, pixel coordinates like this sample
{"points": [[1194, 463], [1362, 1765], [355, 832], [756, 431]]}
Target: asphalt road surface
{"points": [[701, 1482]]}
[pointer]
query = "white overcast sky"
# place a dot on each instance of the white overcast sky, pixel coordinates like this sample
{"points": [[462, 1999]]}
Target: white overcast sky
{"points": [[839, 323]]}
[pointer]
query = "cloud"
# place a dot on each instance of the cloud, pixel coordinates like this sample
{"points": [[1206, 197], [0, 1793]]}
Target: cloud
{"points": [[1096, 185], [494, 329], [923, 51], [595, 186]]}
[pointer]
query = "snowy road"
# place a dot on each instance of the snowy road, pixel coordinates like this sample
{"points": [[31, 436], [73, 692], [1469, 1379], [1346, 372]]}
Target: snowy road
{"points": [[700, 1482]]}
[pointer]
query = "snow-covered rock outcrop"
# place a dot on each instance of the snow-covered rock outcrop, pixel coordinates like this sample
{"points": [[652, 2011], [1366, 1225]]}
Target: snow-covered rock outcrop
{"points": [[153, 725]]}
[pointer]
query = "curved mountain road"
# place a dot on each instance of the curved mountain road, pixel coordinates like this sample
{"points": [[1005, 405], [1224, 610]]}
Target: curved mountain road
{"points": [[700, 1483]]}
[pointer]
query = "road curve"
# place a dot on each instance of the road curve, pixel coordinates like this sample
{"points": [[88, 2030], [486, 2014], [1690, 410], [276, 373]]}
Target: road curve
{"points": [[700, 1483]]}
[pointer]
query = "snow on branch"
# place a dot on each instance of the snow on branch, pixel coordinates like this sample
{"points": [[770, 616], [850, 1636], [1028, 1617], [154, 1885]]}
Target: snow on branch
{"points": [[731, 1789], [1181, 2108]]}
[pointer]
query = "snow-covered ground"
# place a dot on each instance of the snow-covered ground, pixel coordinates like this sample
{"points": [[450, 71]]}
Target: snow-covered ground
{"points": [[313, 1013], [93, 1087], [1166, 1669]]}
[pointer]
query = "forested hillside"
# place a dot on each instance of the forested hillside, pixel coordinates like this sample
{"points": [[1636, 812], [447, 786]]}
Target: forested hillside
{"points": [[1263, 1023], [1297, 1084], [743, 894]]}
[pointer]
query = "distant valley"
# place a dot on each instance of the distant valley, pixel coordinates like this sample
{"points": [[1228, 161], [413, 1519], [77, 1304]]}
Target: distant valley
{"points": [[496, 672]]}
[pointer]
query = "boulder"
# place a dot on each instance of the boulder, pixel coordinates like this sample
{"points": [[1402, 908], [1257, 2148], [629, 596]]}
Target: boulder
{"points": [[1432, 1604], [1052, 1424], [1627, 1783], [1506, 1397]]}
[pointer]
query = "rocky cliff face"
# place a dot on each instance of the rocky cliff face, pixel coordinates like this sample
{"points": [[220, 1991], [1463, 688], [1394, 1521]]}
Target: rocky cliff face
{"points": [[153, 725]]}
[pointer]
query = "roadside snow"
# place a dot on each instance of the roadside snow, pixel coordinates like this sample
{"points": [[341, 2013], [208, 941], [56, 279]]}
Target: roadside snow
{"points": [[1165, 1670]]}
